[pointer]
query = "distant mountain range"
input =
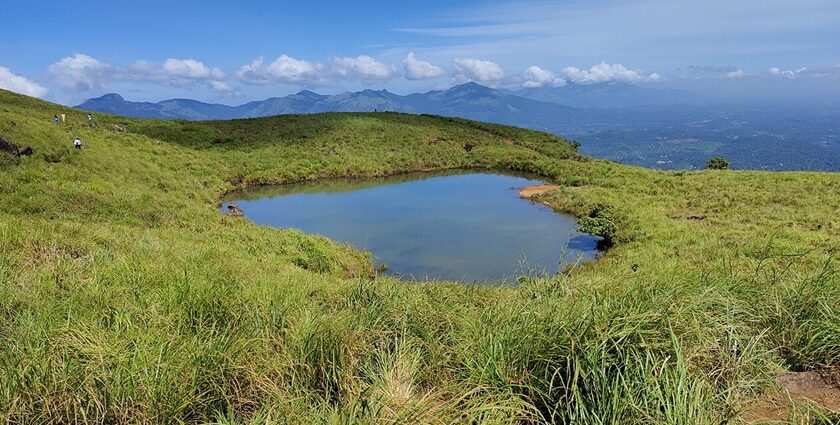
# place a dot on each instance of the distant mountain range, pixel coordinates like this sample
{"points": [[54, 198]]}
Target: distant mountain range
{"points": [[653, 127], [468, 100]]}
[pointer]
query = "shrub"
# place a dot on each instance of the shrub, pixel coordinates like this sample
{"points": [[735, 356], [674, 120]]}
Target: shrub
{"points": [[601, 222], [717, 163]]}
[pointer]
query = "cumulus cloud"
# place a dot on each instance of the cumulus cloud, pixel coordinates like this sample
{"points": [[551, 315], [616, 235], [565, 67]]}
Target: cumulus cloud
{"points": [[191, 69], [478, 70], [81, 73], [284, 69], [604, 73], [361, 68], [535, 76], [20, 84], [416, 69]]}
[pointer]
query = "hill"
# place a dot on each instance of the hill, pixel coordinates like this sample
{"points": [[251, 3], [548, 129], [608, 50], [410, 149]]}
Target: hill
{"points": [[126, 297]]}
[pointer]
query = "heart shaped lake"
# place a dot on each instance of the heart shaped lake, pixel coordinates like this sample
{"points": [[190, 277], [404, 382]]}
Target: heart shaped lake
{"points": [[470, 227]]}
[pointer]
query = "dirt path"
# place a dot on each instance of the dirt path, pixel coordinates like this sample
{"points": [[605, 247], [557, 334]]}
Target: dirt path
{"points": [[797, 388]]}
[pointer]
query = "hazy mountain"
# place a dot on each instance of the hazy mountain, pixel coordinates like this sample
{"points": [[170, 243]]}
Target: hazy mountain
{"points": [[468, 100], [168, 109], [608, 95], [652, 127]]}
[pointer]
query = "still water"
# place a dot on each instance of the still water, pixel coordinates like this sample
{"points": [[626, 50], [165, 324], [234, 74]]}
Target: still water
{"points": [[469, 227]]}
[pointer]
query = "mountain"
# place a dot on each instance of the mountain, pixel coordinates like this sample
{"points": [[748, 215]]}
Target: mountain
{"points": [[468, 100], [608, 95], [168, 109]]}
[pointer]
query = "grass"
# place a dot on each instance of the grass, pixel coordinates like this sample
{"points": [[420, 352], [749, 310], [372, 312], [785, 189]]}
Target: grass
{"points": [[126, 297]]}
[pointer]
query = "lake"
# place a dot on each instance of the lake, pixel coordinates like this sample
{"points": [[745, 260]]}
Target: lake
{"points": [[470, 227]]}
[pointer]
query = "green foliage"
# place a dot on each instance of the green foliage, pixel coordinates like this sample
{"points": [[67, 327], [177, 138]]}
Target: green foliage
{"points": [[601, 221], [126, 297], [717, 163]]}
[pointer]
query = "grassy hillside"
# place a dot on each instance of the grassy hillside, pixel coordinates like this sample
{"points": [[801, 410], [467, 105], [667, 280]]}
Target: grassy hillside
{"points": [[126, 297]]}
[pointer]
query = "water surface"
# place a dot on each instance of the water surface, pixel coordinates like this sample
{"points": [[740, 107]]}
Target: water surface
{"points": [[469, 227]]}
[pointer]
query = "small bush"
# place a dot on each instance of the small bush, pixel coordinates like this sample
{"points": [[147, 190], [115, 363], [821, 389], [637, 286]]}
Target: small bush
{"points": [[717, 163], [601, 222]]}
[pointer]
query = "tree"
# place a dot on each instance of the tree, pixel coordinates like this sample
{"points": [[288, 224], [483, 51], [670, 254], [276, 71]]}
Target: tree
{"points": [[717, 163]]}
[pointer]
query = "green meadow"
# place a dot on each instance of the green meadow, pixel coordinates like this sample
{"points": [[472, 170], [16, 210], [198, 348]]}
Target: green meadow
{"points": [[126, 297]]}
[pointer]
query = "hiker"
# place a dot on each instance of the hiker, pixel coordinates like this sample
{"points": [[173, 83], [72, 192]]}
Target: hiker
{"points": [[55, 119], [77, 143], [90, 120], [62, 117]]}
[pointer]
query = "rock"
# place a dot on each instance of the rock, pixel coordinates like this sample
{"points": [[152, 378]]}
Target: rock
{"points": [[6, 145], [25, 151], [235, 211]]}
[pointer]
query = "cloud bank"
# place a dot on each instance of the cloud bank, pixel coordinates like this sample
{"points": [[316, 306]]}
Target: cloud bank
{"points": [[605, 73], [20, 84], [535, 76], [81, 73]]}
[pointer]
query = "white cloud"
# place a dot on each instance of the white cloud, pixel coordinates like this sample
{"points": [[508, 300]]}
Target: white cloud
{"points": [[738, 73], [80, 73], [284, 69], [801, 72], [191, 69], [535, 76], [253, 73], [20, 84], [416, 69], [220, 86], [604, 73], [361, 68], [294, 70], [654, 78], [478, 70]]}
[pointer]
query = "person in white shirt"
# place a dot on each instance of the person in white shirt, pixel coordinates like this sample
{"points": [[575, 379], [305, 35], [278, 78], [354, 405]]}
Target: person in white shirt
{"points": [[77, 143]]}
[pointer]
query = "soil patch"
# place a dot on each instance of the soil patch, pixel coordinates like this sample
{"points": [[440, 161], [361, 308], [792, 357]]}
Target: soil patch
{"points": [[821, 388], [532, 191]]}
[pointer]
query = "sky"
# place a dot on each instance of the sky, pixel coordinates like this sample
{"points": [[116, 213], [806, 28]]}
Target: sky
{"points": [[234, 52]]}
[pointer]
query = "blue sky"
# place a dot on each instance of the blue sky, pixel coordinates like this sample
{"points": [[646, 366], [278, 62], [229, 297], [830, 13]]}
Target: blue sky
{"points": [[240, 51]]}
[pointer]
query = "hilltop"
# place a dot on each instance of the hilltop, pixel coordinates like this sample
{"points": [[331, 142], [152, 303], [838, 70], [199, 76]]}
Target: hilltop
{"points": [[126, 297]]}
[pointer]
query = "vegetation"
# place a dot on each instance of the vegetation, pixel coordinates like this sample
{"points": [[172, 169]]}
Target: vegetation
{"points": [[126, 297], [717, 163]]}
